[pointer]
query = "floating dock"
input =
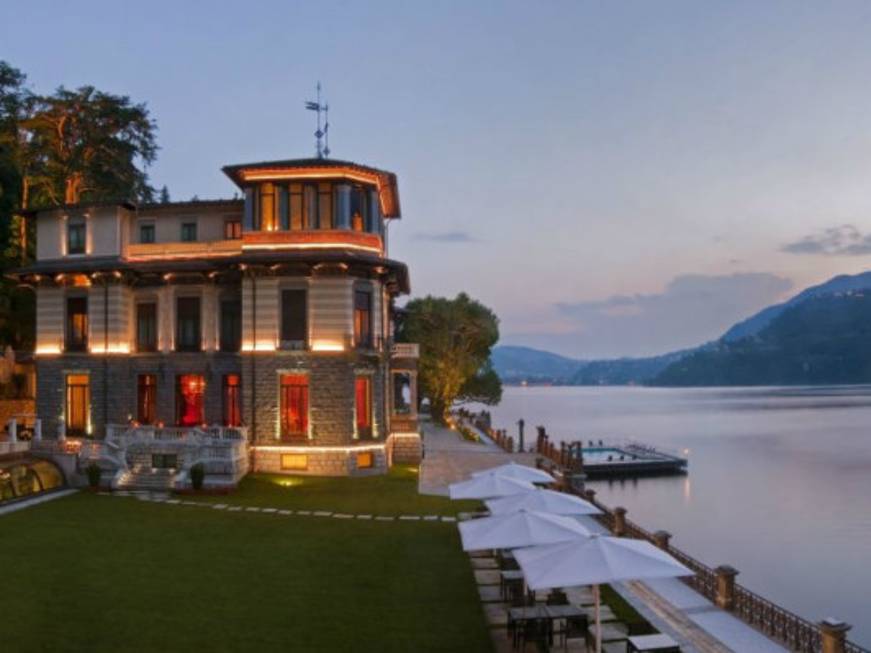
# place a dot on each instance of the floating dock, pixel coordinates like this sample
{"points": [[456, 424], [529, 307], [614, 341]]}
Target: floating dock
{"points": [[630, 459]]}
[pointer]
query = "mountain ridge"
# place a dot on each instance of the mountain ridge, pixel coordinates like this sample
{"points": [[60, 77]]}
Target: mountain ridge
{"points": [[517, 364]]}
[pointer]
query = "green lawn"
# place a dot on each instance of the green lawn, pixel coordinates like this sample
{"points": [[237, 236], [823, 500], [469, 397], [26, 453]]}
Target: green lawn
{"points": [[394, 493], [95, 573]]}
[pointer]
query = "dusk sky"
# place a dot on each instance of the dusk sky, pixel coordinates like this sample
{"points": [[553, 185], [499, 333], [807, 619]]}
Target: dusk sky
{"points": [[611, 178]]}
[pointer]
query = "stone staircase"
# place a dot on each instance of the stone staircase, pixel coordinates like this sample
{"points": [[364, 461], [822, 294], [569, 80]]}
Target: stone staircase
{"points": [[145, 478]]}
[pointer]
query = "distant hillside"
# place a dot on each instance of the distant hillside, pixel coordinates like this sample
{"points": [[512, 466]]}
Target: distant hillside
{"points": [[754, 324], [518, 364], [824, 339], [625, 371]]}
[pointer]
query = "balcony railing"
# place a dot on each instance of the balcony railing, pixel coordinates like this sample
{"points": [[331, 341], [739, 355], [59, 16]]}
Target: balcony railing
{"points": [[183, 249]]}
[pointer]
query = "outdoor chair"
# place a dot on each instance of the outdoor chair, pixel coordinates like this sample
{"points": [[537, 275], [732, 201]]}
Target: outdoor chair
{"points": [[557, 597], [574, 628]]}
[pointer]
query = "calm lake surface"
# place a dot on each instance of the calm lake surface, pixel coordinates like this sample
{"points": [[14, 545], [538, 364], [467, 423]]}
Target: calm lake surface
{"points": [[779, 482]]}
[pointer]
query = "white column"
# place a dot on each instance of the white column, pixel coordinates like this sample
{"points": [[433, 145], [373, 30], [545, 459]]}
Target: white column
{"points": [[37, 430], [12, 426], [62, 431]]}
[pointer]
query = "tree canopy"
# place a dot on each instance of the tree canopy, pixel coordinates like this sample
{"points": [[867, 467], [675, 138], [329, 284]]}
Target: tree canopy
{"points": [[67, 147], [456, 337]]}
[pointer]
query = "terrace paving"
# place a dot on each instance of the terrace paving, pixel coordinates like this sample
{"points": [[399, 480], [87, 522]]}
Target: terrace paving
{"points": [[671, 606]]}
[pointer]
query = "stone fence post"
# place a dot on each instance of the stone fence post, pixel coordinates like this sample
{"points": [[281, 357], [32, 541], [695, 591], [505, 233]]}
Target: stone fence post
{"points": [[834, 635], [726, 586], [661, 539], [619, 521], [12, 429], [520, 443], [37, 430]]}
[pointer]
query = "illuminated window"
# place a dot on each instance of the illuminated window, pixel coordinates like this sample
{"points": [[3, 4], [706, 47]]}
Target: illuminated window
{"points": [[76, 234], [232, 230], [310, 206], [363, 406], [187, 333], [294, 461], [365, 460], [78, 400], [146, 233], [77, 324], [146, 326], [325, 206], [267, 206], [294, 406], [297, 219], [146, 398], [189, 232], [359, 208], [189, 392], [363, 318], [232, 400]]}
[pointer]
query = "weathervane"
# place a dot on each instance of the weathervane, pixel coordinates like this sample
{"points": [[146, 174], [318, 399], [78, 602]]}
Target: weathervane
{"points": [[323, 137]]}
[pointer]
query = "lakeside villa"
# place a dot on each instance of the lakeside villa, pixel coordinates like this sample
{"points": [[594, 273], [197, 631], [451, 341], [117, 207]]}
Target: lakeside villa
{"points": [[244, 334]]}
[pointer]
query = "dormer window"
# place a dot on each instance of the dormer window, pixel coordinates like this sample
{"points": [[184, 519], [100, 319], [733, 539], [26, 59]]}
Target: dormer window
{"points": [[189, 232], [146, 233], [76, 234]]}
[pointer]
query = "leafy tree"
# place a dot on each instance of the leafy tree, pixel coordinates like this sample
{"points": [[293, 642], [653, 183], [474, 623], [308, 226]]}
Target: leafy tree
{"points": [[89, 144], [72, 146], [456, 337]]}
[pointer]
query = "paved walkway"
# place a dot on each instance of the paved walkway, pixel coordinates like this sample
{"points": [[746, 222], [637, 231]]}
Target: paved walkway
{"points": [[670, 605], [449, 458]]}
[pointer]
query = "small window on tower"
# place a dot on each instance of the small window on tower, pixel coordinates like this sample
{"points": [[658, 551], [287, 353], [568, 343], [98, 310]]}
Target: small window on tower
{"points": [[146, 233]]}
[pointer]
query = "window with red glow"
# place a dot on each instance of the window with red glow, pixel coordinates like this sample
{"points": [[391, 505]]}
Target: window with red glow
{"points": [[294, 406], [232, 400], [363, 402], [189, 399], [146, 398]]}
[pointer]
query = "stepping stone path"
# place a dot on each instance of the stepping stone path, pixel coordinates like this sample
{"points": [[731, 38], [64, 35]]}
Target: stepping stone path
{"points": [[163, 498]]}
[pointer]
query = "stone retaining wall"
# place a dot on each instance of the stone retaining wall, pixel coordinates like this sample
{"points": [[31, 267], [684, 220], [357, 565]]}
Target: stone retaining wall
{"points": [[407, 448], [321, 462]]}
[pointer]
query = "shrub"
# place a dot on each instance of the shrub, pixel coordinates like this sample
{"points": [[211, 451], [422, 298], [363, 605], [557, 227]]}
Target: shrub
{"points": [[198, 474], [94, 473]]}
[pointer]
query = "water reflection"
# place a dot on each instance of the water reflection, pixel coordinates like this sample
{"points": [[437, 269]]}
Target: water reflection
{"points": [[778, 485]]}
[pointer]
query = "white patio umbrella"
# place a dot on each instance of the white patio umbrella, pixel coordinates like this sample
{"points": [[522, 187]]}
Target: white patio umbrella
{"points": [[520, 472], [556, 503], [594, 560], [519, 529], [488, 486]]}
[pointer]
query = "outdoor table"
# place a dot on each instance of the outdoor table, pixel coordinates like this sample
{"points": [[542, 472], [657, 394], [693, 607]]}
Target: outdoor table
{"points": [[566, 612], [518, 617], [510, 579], [659, 643]]}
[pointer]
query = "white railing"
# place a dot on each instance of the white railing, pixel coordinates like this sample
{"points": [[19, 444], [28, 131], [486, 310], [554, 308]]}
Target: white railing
{"points": [[14, 447], [115, 432], [405, 350]]}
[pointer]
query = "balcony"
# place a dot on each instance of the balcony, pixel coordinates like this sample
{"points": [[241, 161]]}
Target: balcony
{"points": [[312, 240], [181, 250]]}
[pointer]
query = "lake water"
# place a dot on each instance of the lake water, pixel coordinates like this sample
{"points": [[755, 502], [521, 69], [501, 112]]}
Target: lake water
{"points": [[779, 482]]}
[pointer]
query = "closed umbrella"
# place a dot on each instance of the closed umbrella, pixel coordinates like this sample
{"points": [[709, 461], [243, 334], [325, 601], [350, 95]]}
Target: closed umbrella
{"points": [[519, 529], [594, 560], [488, 486], [556, 503], [520, 472]]}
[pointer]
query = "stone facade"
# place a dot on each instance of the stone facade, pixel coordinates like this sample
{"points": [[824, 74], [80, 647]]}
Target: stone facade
{"points": [[407, 448], [331, 393], [113, 385], [316, 461]]}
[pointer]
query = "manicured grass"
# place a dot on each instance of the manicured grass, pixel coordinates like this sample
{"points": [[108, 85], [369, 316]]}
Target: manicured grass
{"points": [[394, 493], [96, 573]]}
